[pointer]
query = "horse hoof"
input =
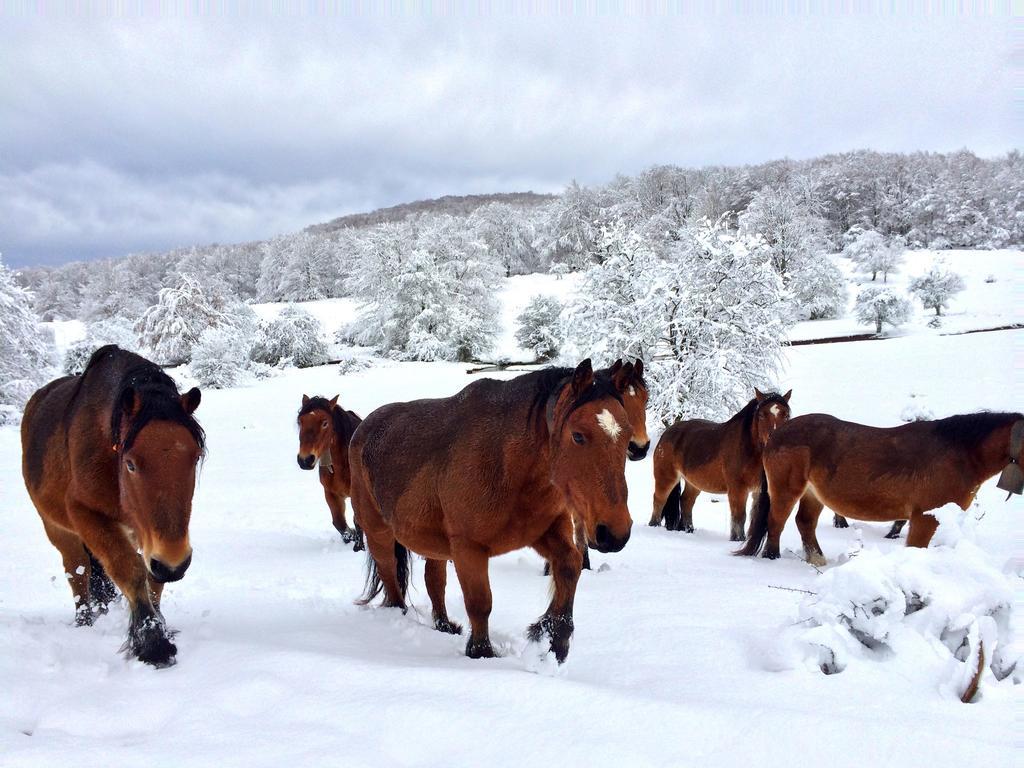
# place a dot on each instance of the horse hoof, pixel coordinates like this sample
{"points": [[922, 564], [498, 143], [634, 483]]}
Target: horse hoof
{"points": [[479, 649], [151, 644], [358, 546], [770, 555], [655, 523], [840, 522], [448, 627], [734, 537], [84, 616], [892, 535], [686, 529]]}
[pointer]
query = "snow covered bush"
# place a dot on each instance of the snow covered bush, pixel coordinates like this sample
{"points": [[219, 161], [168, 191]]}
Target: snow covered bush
{"points": [[539, 327], [98, 334], [220, 358], [709, 319], [559, 269], [880, 306], [26, 349], [925, 611], [171, 328], [873, 252], [936, 286], [819, 289], [508, 234], [294, 337]]}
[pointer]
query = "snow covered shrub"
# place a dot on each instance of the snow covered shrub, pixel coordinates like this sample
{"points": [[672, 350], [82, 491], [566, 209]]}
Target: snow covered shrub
{"points": [[26, 349], [170, 329], [990, 278], [539, 328], [558, 269], [936, 286], [98, 334], [919, 610], [873, 252], [352, 365], [880, 306], [294, 336], [709, 319], [220, 358]]}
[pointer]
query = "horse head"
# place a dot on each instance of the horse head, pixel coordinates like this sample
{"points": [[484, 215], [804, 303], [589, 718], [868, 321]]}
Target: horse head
{"points": [[316, 429], [771, 412], [589, 433], [628, 379], [159, 446]]}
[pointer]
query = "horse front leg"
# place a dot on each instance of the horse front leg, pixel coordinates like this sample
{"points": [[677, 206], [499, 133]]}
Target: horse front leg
{"points": [[557, 545], [471, 568], [737, 514], [148, 638], [436, 577]]}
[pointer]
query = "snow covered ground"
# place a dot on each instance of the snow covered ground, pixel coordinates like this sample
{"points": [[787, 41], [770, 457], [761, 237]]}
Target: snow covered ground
{"points": [[681, 653]]}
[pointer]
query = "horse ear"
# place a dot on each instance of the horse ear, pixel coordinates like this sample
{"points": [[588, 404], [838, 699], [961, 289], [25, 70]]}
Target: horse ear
{"points": [[130, 401], [622, 377], [758, 394], [615, 368], [334, 401], [638, 369], [305, 399], [190, 400], [582, 377], [786, 396]]}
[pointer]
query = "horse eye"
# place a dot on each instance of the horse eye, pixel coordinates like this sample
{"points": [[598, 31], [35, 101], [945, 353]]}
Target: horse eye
{"points": [[324, 424], [129, 465], [578, 438]]}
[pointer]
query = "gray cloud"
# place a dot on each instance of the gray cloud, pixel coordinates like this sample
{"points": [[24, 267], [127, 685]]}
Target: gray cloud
{"points": [[147, 134]]}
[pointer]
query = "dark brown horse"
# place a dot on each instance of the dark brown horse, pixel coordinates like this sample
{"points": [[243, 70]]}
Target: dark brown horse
{"points": [[714, 458], [109, 460], [867, 473], [324, 431], [499, 466]]}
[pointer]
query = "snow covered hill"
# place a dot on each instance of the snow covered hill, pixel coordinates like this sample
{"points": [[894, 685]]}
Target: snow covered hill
{"points": [[682, 654]]}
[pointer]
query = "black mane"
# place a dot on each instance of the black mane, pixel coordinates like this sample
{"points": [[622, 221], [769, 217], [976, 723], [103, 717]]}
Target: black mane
{"points": [[966, 431], [747, 413], [339, 420], [158, 396], [549, 381]]}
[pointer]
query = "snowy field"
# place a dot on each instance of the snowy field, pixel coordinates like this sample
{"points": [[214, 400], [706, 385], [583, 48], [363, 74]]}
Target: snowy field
{"points": [[683, 655]]}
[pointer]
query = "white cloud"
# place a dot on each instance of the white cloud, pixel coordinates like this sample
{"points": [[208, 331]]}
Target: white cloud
{"points": [[125, 135]]}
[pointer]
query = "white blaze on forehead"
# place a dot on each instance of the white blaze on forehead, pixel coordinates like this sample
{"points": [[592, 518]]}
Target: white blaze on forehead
{"points": [[609, 424], [632, 392], [775, 410]]}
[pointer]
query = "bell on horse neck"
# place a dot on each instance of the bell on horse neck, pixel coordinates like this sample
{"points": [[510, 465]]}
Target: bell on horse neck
{"points": [[326, 462]]}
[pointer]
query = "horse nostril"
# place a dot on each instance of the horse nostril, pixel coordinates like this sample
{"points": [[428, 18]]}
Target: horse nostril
{"points": [[602, 534], [306, 463], [637, 452]]}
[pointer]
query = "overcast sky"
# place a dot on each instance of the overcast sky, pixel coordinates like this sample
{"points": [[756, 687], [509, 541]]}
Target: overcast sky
{"points": [[127, 135]]}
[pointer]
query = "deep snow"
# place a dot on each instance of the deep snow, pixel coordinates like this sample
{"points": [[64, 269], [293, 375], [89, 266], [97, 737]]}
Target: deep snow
{"points": [[679, 655]]}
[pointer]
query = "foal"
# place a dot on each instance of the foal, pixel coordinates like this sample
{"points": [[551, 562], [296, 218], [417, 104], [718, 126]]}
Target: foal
{"points": [[325, 429], [714, 458]]}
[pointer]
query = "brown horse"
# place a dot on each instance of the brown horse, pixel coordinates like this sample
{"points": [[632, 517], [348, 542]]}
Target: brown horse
{"points": [[628, 380], [875, 474], [109, 460], [499, 466], [714, 458], [324, 431]]}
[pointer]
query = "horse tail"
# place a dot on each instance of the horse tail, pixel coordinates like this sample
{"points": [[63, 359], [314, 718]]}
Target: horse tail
{"points": [[374, 585], [671, 513], [758, 521]]}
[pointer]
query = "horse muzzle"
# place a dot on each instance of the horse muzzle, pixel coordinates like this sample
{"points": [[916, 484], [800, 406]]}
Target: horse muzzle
{"points": [[637, 452], [606, 541], [163, 573], [307, 462]]}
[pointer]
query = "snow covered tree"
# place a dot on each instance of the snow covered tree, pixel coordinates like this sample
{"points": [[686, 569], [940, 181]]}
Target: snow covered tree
{"points": [[936, 286], [574, 226], [878, 306], [508, 235], [26, 349], [295, 336], [709, 319], [171, 327], [819, 289], [220, 357], [539, 327], [793, 236], [873, 253]]}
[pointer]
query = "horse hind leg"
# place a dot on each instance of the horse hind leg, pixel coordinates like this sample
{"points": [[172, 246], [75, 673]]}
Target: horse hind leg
{"points": [[688, 497], [436, 577], [783, 497], [738, 515], [665, 504], [388, 569], [922, 528], [807, 515]]}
